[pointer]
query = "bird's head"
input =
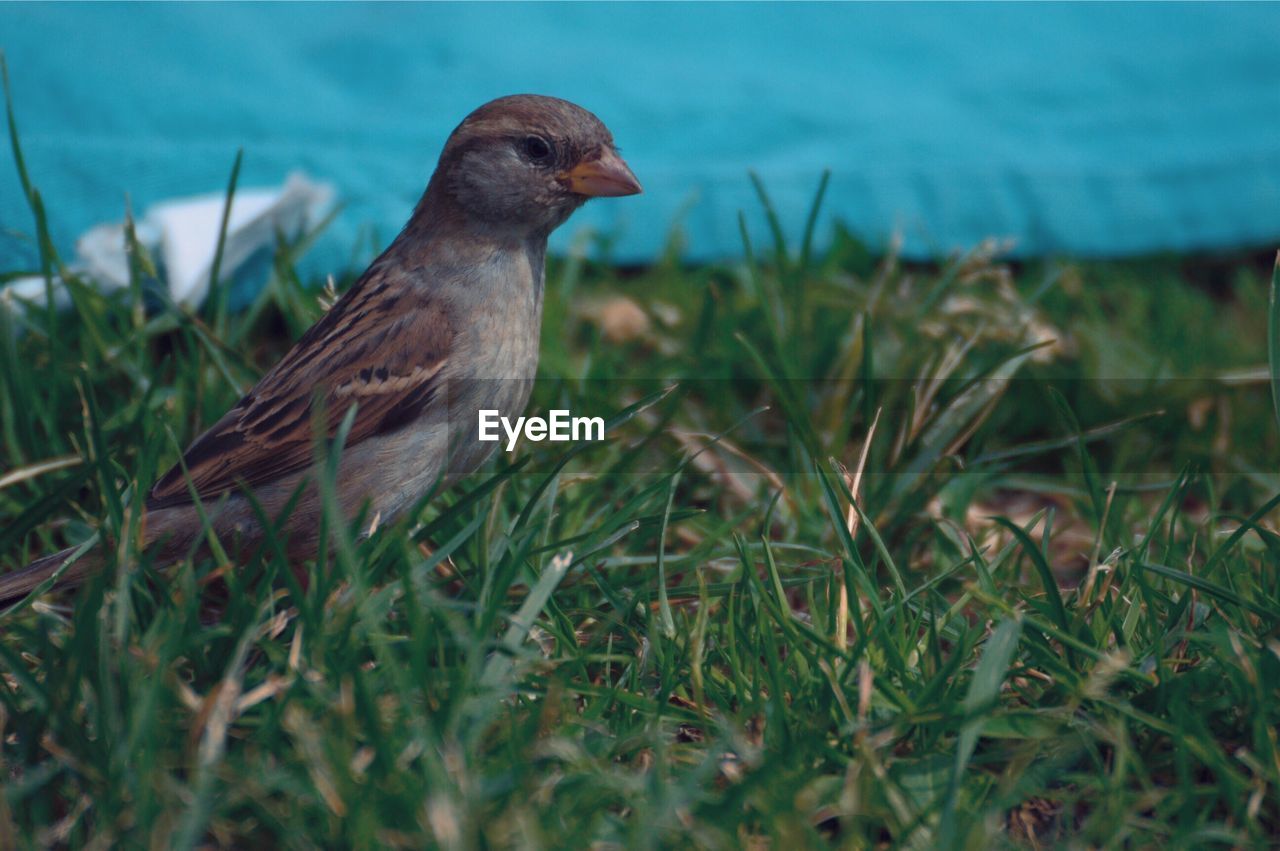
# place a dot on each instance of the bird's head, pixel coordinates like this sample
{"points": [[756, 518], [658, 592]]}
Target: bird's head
{"points": [[526, 162]]}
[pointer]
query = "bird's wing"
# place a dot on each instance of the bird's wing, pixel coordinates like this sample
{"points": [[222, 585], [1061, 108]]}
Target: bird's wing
{"points": [[382, 346]]}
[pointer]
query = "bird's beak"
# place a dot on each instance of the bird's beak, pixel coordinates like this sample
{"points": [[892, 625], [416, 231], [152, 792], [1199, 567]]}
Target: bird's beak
{"points": [[605, 176]]}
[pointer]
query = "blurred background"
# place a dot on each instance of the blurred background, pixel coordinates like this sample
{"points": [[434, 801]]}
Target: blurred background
{"points": [[1080, 129]]}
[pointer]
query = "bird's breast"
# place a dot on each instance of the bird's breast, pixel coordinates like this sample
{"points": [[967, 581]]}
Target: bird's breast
{"points": [[505, 317], [498, 337]]}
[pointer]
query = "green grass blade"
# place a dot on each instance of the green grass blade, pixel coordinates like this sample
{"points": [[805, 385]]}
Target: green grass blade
{"points": [[220, 294], [1213, 589], [1273, 337], [983, 694], [664, 605], [1047, 579]]}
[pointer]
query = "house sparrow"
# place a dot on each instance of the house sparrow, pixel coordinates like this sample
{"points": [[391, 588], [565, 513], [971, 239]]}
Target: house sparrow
{"points": [[444, 323]]}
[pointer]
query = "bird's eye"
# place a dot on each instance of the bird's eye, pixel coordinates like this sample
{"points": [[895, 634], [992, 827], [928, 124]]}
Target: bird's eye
{"points": [[537, 149]]}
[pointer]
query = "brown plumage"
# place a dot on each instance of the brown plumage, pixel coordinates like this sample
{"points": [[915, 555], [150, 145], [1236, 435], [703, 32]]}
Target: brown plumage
{"points": [[445, 322], [338, 361]]}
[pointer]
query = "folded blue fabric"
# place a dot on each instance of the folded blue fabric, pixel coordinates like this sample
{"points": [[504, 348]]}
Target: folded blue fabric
{"points": [[1078, 128]]}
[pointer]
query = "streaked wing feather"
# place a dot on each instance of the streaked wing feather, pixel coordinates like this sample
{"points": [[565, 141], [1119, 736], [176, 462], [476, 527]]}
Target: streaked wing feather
{"points": [[382, 347]]}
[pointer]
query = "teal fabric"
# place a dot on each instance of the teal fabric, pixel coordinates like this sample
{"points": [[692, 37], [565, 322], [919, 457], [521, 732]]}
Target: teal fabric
{"points": [[1078, 128]]}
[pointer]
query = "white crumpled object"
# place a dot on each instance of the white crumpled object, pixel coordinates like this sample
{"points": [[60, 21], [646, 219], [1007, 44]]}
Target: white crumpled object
{"points": [[183, 234]]}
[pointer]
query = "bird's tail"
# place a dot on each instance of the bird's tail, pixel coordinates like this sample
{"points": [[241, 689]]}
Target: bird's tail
{"points": [[18, 584]]}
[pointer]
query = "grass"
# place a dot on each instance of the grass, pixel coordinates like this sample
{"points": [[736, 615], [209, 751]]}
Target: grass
{"points": [[1048, 618]]}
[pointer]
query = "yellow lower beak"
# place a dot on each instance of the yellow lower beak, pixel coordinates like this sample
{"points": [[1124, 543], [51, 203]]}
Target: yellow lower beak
{"points": [[605, 176]]}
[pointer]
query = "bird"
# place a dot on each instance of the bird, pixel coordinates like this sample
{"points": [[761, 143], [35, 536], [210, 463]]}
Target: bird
{"points": [[444, 323]]}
